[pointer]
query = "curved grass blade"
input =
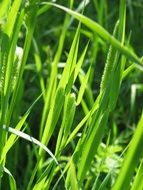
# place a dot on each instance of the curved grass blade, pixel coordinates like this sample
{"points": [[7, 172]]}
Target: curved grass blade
{"points": [[104, 34], [31, 139], [12, 138], [12, 181]]}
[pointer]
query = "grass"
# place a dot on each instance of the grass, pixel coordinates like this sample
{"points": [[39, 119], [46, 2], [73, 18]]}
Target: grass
{"points": [[70, 87]]}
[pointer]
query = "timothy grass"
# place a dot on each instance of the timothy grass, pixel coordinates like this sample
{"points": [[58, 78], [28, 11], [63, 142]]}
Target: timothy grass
{"points": [[70, 87]]}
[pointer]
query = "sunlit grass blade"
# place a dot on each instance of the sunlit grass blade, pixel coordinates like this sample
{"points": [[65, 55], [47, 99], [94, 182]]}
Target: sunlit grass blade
{"points": [[83, 86], [5, 66], [128, 70], [80, 62], [12, 17], [95, 27], [77, 128], [93, 142], [58, 100], [4, 8], [116, 76], [9, 73], [5, 48], [7, 76], [84, 120], [138, 183], [131, 160], [53, 76], [53, 116], [30, 25], [71, 60], [68, 116], [42, 180], [71, 180]]}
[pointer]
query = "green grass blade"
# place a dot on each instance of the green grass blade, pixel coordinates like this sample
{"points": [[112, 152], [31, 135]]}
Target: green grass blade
{"points": [[66, 81], [4, 7], [31, 139], [71, 61], [53, 116], [95, 27], [77, 128], [128, 71], [12, 17], [115, 83], [80, 62], [131, 160], [30, 23], [38, 63], [104, 182], [71, 180], [68, 116], [122, 21], [53, 77], [11, 179], [109, 62], [84, 120], [9, 73], [12, 138], [138, 182], [5, 64], [116, 76], [83, 86], [93, 142]]}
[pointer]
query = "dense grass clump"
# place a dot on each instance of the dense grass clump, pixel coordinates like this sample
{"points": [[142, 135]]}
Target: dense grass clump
{"points": [[71, 95]]}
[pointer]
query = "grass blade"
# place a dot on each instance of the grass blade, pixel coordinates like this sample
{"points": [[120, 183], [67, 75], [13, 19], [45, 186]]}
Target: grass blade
{"points": [[93, 142], [131, 160], [11, 179], [95, 27], [138, 183]]}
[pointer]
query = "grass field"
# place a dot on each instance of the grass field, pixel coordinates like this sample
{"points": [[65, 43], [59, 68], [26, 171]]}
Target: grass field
{"points": [[71, 91]]}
